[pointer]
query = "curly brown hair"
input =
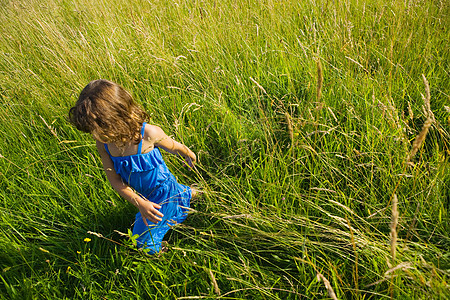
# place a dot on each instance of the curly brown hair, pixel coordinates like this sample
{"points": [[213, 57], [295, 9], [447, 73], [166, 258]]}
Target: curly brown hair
{"points": [[108, 112]]}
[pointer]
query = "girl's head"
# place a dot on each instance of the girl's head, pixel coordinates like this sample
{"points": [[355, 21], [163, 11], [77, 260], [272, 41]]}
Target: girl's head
{"points": [[108, 112]]}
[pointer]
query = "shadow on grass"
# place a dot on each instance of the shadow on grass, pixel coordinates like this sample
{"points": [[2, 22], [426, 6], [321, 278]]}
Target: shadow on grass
{"points": [[60, 258]]}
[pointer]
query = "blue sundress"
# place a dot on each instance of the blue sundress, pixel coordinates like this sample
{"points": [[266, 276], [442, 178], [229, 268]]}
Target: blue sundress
{"points": [[149, 176]]}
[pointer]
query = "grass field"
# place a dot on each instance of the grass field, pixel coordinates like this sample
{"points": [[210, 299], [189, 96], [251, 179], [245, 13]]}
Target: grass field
{"points": [[321, 128]]}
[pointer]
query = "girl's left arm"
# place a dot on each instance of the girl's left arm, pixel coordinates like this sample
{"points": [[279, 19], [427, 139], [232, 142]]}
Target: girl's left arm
{"points": [[160, 139], [148, 209]]}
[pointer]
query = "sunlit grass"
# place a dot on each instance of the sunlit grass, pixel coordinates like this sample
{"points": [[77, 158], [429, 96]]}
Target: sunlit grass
{"points": [[299, 179]]}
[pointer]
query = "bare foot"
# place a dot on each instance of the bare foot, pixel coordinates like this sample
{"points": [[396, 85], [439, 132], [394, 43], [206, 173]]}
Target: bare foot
{"points": [[195, 192], [164, 247]]}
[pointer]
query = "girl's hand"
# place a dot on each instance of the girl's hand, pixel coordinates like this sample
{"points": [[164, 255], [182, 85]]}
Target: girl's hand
{"points": [[149, 211], [191, 160]]}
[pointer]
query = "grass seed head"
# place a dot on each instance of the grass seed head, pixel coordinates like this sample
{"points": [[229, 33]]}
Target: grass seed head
{"points": [[394, 222], [328, 286], [410, 111], [290, 127], [419, 139], [319, 79]]}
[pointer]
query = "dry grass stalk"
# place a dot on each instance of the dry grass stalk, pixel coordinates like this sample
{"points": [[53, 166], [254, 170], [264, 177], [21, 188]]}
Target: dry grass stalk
{"points": [[290, 127], [357, 63], [121, 233], [44, 250], [49, 127], [419, 139], [356, 255], [382, 107], [242, 216], [426, 126], [410, 111], [426, 99], [394, 222], [413, 223], [330, 290], [258, 85], [404, 266], [390, 113], [214, 282], [319, 79], [99, 235], [96, 234], [393, 115], [332, 113]]}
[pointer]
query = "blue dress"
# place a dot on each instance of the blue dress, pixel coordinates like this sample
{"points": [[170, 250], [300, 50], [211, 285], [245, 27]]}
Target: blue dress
{"points": [[149, 176]]}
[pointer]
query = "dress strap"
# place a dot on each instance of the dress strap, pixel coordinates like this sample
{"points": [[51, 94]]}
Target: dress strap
{"points": [[107, 150], [142, 138]]}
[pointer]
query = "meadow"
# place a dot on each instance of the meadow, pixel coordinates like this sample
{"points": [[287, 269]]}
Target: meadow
{"points": [[322, 130]]}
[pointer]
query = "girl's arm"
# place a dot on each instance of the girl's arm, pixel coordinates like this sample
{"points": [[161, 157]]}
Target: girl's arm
{"points": [[158, 138], [147, 208]]}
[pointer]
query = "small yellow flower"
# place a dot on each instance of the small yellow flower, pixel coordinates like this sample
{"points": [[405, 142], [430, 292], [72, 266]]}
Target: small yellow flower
{"points": [[87, 240], [68, 269], [78, 252]]}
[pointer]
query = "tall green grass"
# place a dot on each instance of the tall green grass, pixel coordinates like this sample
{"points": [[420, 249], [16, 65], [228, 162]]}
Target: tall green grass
{"points": [[302, 114]]}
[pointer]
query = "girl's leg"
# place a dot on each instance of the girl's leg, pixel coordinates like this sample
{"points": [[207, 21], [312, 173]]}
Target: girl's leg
{"points": [[149, 237], [195, 193]]}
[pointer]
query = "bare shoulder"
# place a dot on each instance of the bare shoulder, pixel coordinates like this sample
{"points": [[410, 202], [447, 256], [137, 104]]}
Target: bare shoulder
{"points": [[153, 133], [100, 147]]}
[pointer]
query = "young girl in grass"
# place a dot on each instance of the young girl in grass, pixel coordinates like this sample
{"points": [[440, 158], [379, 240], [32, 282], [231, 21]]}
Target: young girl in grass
{"points": [[131, 157]]}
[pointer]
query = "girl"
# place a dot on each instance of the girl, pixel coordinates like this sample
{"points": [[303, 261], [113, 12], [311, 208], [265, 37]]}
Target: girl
{"points": [[129, 149]]}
